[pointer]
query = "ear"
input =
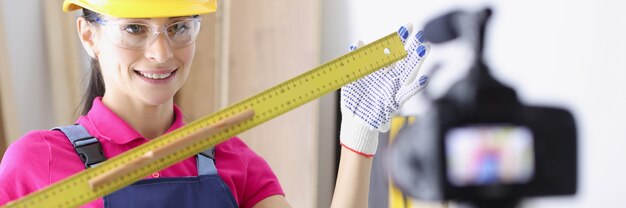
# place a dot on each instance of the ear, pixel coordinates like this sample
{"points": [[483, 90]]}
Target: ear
{"points": [[86, 33]]}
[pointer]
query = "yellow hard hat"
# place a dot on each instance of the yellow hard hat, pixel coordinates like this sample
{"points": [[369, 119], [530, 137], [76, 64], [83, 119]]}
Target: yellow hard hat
{"points": [[143, 8]]}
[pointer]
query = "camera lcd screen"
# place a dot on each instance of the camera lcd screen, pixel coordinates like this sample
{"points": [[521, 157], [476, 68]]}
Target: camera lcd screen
{"points": [[487, 155]]}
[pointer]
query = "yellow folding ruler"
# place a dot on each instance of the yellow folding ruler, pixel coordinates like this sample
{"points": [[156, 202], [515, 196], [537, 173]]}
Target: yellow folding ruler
{"points": [[84, 186]]}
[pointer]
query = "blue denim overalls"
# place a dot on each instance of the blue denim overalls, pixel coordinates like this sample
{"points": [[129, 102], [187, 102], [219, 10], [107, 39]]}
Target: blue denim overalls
{"points": [[205, 190]]}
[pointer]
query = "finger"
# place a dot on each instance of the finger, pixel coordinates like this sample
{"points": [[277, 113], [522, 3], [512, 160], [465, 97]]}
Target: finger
{"points": [[422, 50], [417, 50], [420, 36], [356, 45], [412, 88], [411, 65], [404, 32]]}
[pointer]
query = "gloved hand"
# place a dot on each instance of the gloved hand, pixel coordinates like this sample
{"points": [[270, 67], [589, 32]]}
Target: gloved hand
{"points": [[368, 104]]}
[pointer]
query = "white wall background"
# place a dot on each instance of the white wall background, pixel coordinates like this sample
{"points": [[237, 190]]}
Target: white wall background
{"points": [[564, 53]]}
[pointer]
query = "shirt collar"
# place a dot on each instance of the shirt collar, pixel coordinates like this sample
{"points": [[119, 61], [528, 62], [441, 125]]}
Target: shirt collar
{"points": [[103, 123]]}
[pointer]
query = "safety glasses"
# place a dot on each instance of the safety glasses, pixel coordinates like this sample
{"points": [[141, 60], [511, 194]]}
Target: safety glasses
{"points": [[137, 35]]}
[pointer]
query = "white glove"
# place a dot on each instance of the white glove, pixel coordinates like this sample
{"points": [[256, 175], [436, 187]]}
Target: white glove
{"points": [[368, 104]]}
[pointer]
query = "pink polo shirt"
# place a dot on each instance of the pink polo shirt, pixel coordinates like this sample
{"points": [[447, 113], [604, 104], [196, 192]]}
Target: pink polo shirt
{"points": [[41, 158]]}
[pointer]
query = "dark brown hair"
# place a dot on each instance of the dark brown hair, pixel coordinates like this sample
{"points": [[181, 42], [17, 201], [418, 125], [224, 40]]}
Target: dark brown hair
{"points": [[95, 85]]}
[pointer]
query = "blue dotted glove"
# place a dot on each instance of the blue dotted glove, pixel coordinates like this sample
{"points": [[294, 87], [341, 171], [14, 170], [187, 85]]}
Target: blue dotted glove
{"points": [[368, 104]]}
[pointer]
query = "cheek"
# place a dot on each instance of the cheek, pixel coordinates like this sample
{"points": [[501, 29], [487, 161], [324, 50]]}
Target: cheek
{"points": [[185, 55], [115, 61]]}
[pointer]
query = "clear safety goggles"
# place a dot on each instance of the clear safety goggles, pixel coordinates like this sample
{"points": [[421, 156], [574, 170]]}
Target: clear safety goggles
{"points": [[137, 35]]}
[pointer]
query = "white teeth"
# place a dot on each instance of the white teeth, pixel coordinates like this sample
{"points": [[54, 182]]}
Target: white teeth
{"points": [[156, 76]]}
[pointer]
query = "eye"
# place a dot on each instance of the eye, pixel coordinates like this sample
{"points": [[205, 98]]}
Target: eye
{"points": [[178, 27], [134, 28]]}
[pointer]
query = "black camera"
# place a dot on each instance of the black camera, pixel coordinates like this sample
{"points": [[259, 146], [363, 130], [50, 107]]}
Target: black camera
{"points": [[478, 143]]}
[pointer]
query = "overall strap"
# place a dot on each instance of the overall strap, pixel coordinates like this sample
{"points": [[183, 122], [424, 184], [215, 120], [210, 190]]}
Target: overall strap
{"points": [[88, 147], [90, 152], [206, 162]]}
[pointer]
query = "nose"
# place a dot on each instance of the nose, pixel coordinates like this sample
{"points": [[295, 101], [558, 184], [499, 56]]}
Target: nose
{"points": [[159, 49]]}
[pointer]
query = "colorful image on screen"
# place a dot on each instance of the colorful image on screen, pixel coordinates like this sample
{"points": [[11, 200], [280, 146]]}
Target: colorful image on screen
{"points": [[483, 155]]}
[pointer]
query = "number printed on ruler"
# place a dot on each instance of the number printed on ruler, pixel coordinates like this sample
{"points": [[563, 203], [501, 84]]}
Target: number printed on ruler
{"points": [[75, 190]]}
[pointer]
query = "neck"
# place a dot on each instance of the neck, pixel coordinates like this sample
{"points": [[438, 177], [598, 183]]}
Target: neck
{"points": [[151, 121]]}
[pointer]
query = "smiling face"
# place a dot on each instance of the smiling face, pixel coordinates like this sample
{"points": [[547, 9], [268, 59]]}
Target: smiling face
{"points": [[150, 73]]}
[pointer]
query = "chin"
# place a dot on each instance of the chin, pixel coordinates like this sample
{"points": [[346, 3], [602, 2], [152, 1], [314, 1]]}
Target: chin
{"points": [[156, 100]]}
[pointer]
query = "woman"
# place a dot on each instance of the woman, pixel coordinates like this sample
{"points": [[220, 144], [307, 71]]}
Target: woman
{"points": [[140, 59]]}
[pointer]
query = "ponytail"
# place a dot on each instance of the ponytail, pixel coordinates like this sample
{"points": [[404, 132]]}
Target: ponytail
{"points": [[95, 86]]}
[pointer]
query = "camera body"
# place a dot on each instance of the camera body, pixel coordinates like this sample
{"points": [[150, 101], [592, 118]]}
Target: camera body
{"points": [[478, 143]]}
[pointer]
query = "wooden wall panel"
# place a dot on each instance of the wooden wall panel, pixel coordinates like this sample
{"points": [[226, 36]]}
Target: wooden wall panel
{"points": [[272, 41], [3, 142], [2, 74], [8, 119], [64, 55]]}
